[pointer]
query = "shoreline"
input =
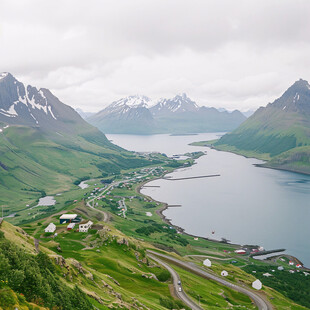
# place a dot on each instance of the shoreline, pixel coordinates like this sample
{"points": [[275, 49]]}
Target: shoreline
{"points": [[166, 220], [264, 165]]}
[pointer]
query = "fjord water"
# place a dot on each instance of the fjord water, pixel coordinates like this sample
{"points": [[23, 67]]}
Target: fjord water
{"points": [[245, 204]]}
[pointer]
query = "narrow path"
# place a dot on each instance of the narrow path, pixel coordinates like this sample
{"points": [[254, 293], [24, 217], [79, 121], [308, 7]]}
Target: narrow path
{"points": [[180, 294], [259, 301]]}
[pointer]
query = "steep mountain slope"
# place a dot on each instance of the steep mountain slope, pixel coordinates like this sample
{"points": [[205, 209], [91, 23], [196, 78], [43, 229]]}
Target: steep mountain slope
{"points": [[127, 115], [45, 145], [279, 127], [176, 115]]}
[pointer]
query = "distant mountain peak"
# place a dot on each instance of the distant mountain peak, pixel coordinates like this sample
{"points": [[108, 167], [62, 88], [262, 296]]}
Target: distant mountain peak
{"points": [[295, 99], [182, 95], [133, 101], [3, 75], [20, 103], [26, 105], [178, 104]]}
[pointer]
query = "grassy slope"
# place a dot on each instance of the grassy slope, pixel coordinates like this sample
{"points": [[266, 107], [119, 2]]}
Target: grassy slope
{"points": [[273, 134], [30, 163], [110, 272]]}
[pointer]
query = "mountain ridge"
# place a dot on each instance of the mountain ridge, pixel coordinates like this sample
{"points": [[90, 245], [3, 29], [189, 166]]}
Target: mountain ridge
{"points": [[179, 114]]}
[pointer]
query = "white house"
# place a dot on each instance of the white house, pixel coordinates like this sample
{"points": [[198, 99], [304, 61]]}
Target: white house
{"points": [[67, 218], [83, 227], [240, 252], [50, 228], [257, 285], [224, 273], [70, 226], [207, 262]]}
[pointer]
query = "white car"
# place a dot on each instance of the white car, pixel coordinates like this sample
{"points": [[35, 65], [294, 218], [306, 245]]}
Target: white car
{"points": [[180, 289]]}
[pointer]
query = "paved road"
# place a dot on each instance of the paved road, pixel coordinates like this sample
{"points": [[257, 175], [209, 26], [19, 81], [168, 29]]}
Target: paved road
{"points": [[261, 303], [89, 202], [181, 295]]}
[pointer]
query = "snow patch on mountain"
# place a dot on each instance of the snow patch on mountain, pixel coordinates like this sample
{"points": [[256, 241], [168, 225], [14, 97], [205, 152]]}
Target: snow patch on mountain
{"points": [[133, 102], [29, 96], [180, 103], [3, 75]]}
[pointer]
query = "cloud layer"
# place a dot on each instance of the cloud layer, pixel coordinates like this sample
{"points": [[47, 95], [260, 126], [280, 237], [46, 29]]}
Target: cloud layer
{"points": [[233, 54]]}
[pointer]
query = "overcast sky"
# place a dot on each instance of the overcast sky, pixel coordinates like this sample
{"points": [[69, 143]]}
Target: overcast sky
{"points": [[233, 54]]}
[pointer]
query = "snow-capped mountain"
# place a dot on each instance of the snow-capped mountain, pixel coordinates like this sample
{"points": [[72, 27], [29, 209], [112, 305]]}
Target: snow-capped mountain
{"points": [[126, 115], [138, 115], [26, 105], [178, 104], [23, 104], [123, 105]]}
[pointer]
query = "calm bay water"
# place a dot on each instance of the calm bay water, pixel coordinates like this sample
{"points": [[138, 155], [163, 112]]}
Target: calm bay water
{"points": [[246, 204]]}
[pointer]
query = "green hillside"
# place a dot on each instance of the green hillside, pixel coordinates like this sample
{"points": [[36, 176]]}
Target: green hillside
{"points": [[280, 131], [32, 164]]}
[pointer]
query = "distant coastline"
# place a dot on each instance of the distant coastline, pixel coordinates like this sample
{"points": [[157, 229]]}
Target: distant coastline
{"points": [[249, 155]]}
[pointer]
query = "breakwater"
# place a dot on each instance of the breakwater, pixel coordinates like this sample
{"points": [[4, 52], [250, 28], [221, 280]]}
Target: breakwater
{"points": [[195, 177]]}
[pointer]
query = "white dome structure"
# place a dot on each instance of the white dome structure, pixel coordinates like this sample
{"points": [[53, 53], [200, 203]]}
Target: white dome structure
{"points": [[257, 284], [207, 262], [224, 273]]}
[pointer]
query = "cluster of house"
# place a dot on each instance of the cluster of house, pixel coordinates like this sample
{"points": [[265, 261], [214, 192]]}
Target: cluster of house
{"points": [[291, 263], [71, 220], [251, 251]]}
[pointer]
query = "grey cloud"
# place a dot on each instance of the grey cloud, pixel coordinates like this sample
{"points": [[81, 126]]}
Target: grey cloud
{"points": [[238, 54]]}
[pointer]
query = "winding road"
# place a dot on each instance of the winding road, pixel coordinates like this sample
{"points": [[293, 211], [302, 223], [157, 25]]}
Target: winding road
{"points": [[180, 294], [259, 301], [88, 203]]}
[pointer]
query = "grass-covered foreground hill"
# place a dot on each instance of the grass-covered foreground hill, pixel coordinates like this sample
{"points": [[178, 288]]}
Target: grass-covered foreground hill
{"points": [[109, 268], [280, 132]]}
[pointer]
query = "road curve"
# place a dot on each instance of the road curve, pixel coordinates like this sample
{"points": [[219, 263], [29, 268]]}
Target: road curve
{"points": [[88, 204], [257, 299], [181, 295]]}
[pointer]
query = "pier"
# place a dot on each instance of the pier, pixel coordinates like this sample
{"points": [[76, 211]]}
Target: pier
{"points": [[197, 177], [267, 252], [150, 186]]}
